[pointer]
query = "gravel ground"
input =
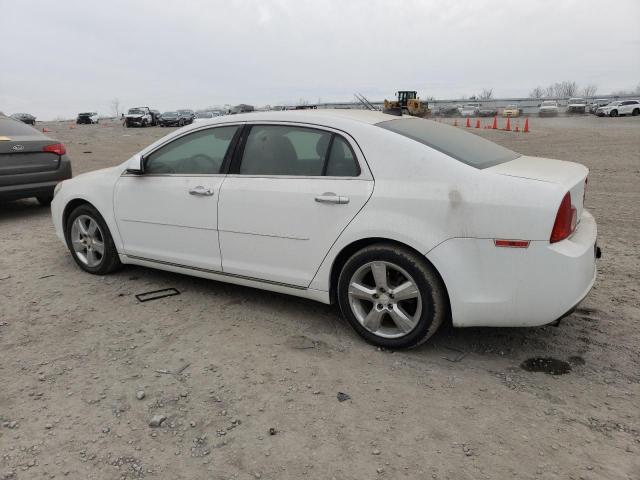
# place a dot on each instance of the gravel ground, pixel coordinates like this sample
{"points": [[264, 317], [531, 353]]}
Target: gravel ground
{"points": [[247, 381]]}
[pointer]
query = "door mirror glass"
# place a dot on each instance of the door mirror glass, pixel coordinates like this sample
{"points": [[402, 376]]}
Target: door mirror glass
{"points": [[134, 165]]}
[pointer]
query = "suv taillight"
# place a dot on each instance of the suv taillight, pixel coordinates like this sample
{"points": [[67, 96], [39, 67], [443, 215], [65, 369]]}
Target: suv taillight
{"points": [[57, 148], [566, 220]]}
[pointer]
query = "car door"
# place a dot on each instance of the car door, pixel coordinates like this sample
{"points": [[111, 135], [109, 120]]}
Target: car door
{"points": [[290, 192], [169, 212]]}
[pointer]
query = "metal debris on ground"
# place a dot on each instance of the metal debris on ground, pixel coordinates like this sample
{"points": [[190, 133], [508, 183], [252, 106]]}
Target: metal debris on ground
{"points": [[177, 372], [342, 397], [272, 431], [460, 354], [47, 276], [157, 294]]}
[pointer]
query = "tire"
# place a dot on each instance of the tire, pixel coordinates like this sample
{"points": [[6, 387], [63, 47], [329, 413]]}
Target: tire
{"points": [[636, 112], [45, 200], [96, 263], [404, 323], [613, 113]]}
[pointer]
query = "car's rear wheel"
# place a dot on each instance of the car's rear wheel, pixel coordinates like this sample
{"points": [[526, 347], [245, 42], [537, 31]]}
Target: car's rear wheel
{"points": [[90, 241], [391, 296]]}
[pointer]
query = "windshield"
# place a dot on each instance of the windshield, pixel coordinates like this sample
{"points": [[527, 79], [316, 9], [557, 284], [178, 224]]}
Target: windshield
{"points": [[135, 110], [86, 114], [615, 103], [458, 144], [184, 111], [548, 104], [170, 114], [204, 115]]}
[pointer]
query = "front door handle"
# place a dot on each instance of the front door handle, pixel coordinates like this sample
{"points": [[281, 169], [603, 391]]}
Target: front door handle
{"points": [[330, 197], [201, 191]]}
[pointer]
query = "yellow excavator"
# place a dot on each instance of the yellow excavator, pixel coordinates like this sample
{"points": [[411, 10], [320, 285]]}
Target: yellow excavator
{"points": [[407, 102]]}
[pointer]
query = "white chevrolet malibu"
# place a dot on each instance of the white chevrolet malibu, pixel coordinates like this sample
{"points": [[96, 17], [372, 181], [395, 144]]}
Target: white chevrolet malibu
{"points": [[404, 223]]}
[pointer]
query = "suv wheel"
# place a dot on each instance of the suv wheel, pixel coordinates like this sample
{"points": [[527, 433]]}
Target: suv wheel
{"points": [[90, 241], [614, 113], [635, 112], [392, 297]]}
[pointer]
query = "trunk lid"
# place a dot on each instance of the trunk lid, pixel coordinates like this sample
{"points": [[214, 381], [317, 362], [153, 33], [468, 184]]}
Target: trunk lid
{"points": [[571, 176], [23, 154]]}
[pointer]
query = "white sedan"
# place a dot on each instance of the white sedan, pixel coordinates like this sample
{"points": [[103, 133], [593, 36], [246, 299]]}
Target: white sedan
{"points": [[403, 222]]}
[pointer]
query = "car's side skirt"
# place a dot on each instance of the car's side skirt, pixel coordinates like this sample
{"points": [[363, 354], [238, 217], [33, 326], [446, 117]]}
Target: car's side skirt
{"points": [[312, 294]]}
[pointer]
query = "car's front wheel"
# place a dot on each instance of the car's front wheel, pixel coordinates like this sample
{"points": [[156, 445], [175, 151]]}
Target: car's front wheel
{"points": [[391, 296], [614, 113], [90, 241], [636, 112]]}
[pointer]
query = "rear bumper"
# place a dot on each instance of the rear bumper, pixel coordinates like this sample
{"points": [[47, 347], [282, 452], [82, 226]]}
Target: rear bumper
{"points": [[511, 287], [14, 187]]}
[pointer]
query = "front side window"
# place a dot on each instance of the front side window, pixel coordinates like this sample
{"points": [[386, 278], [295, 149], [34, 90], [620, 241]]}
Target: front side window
{"points": [[296, 151], [199, 153]]}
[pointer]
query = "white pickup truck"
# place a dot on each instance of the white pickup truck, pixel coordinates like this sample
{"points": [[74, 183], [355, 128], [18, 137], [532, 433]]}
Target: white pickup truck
{"points": [[139, 117]]}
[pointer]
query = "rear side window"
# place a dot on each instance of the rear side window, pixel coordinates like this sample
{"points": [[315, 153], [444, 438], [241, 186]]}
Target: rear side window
{"points": [[342, 162], [296, 151], [199, 153], [458, 144]]}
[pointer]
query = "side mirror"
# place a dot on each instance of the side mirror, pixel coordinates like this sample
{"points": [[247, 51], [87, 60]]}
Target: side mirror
{"points": [[135, 165]]}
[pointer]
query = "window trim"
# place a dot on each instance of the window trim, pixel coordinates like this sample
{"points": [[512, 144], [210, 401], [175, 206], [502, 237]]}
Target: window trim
{"points": [[224, 168], [234, 167]]}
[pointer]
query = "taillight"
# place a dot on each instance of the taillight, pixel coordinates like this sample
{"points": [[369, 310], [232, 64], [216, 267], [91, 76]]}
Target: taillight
{"points": [[566, 220], [57, 148]]}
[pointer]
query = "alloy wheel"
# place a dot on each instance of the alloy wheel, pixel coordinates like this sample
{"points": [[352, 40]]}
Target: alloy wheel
{"points": [[385, 299], [87, 240]]}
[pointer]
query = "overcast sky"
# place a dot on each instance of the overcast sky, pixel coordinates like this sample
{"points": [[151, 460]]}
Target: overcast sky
{"points": [[61, 57]]}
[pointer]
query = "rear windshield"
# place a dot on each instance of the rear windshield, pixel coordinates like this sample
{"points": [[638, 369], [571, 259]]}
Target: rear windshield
{"points": [[463, 146], [10, 127]]}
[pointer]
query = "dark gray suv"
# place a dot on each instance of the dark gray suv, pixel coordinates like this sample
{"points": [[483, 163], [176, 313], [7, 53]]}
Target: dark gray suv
{"points": [[31, 164]]}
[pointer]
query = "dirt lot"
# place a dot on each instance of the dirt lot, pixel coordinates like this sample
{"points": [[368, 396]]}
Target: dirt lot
{"points": [[76, 349]]}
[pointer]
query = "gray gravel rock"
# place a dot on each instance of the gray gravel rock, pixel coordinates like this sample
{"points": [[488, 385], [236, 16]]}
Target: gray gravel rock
{"points": [[156, 421]]}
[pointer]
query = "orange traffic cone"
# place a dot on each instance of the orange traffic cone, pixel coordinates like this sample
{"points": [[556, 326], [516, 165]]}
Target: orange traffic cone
{"points": [[507, 128], [468, 123], [495, 123], [478, 123], [526, 125]]}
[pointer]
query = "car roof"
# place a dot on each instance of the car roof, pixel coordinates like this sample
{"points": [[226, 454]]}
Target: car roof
{"points": [[326, 117]]}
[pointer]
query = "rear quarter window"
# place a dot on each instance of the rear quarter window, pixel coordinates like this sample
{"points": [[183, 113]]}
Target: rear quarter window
{"points": [[463, 146]]}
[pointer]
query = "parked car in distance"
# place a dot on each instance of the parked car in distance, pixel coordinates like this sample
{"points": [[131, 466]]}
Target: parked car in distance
{"points": [[31, 163], [242, 108], [87, 117], [203, 115], [511, 111], [620, 107], [597, 103], [25, 118], [576, 105], [488, 112], [470, 110], [188, 115], [291, 202], [172, 119], [548, 108], [138, 117]]}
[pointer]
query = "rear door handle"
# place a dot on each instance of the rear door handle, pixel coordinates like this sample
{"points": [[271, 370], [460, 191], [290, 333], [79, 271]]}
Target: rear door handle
{"points": [[330, 197], [201, 191]]}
